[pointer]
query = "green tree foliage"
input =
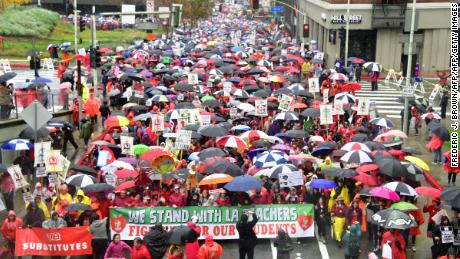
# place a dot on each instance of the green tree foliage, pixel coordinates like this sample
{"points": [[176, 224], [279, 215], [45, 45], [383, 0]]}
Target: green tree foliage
{"points": [[7, 3], [192, 10]]}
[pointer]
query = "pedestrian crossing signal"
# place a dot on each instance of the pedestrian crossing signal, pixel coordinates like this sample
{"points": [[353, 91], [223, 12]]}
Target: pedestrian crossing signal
{"points": [[306, 30], [342, 33]]}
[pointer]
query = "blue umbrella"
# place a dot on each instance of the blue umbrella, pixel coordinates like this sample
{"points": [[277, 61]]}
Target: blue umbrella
{"points": [[243, 183], [241, 128], [270, 159], [321, 151], [236, 49], [41, 80], [17, 144], [322, 184], [255, 152]]}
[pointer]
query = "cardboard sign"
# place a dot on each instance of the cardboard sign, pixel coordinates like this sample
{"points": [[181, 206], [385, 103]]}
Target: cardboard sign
{"points": [[227, 87], [102, 158], [233, 112], [338, 109], [187, 117], [363, 106], [40, 149], [313, 85], [40, 171], [285, 102], [18, 179], [53, 179], [65, 168], [326, 96], [261, 108], [53, 161], [158, 122], [447, 235], [127, 145], [291, 179], [205, 119], [325, 114], [183, 139], [192, 78]]}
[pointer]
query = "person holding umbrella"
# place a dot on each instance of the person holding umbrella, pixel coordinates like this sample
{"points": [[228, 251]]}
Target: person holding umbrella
{"points": [[248, 238], [5, 100]]}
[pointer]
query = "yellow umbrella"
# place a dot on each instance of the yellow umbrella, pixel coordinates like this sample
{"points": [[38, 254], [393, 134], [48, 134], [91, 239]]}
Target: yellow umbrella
{"points": [[418, 162], [216, 179]]}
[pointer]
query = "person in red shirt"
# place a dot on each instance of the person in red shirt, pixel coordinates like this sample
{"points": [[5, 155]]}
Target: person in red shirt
{"points": [[176, 198], [9, 226], [396, 242], [223, 199], [123, 200], [431, 209], [139, 250]]}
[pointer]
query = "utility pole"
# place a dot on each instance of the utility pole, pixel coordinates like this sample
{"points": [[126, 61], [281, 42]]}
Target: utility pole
{"points": [[93, 45], [75, 20], [347, 34], [79, 93], [409, 68]]}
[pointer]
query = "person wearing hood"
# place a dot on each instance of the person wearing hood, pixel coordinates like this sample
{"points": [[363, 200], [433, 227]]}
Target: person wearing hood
{"points": [[99, 242], [397, 243], [139, 250], [352, 241], [9, 226], [248, 238], [283, 244], [192, 246], [34, 216], [80, 197], [338, 217], [41, 205], [54, 222], [61, 195], [443, 236], [210, 249], [156, 241], [341, 190]]}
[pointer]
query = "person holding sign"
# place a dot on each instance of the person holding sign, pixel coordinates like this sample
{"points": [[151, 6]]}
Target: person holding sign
{"points": [[248, 238], [443, 236]]}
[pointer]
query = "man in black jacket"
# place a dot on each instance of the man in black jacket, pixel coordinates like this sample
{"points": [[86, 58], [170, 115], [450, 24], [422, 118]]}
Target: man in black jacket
{"points": [[156, 241], [248, 238]]}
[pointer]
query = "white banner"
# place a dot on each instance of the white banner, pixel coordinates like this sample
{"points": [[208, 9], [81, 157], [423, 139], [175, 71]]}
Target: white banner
{"points": [[158, 122], [313, 85], [127, 145], [261, 108], [326, 114], [285, 102], [291, 179]]}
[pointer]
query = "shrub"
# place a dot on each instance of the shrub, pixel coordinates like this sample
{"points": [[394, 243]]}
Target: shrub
{"points": [[26, 21]]}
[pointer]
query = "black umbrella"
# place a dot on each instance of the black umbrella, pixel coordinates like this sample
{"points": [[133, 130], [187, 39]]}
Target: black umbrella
{"points": [[179, 174], [181, 234], [339, 172], [254, 71], [442, 133], [414, 173], [7, 76], [82, 169], [262, 93], [192, 127], [282, 91], [411, 150], [360, 137], [394, 219], [213, 165], [98, 187], [434, 124], [212, 103], [452, 196], [184, 105], [78, 206], [391, 167], [374, 145], [29, 133], [329, 144], [296, 133], [213, 131], [211, 152], [184, 87], [251, 88], [310, 112], [303, 93]]}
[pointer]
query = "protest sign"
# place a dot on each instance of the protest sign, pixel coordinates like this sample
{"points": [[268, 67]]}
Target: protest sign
{"points": [[447, 234], [65, 168], [53, 179], [18, 178], [261, 108], [27, 196], [53, 242], [291, 179], [192, 78], [205, 119], [127, 145], [363, 106], [326, 96], [285, 102], [102, 158], [338, 109], [111, 179], [434, 93], [296, 219], [325, 111], [40, 150], [158, 122], [227, 87], [53, 161], [313, 85], [187, 116], [183, 139]]}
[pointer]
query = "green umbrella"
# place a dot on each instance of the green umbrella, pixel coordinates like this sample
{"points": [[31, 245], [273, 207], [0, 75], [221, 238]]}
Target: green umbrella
{"points": [[207, 98], [166, 60], [140, 149], [403, 206]]}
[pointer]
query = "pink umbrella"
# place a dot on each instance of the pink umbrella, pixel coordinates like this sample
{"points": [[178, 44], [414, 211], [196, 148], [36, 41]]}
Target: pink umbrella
{"points": [[390, 134], [338, 76], [253, 170], [384, 193]]}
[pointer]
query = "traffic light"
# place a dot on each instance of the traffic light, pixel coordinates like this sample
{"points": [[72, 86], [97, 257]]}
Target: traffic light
{"points": [[177, 9], [98, 57], [342, 33], [92, 57], [306, 30], [82, 24], [255, 4]]}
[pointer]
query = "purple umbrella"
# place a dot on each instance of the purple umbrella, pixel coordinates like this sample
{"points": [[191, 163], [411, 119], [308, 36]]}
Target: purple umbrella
{"points": [[129, 160], [281, 147]]}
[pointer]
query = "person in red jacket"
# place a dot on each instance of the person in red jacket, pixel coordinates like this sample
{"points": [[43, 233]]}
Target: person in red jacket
{"points": [[431, 209], [397, 243], [139, 250], [210, 249], [9, 226], [192, 246], [451, 171]]}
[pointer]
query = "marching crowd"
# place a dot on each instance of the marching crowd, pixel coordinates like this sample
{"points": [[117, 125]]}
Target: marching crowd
{"points": [[356, 171]]}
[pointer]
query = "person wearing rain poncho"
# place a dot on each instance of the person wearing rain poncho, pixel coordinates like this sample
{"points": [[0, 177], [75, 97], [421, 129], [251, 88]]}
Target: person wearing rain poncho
{"points": [[338, 218], [339, 191]]}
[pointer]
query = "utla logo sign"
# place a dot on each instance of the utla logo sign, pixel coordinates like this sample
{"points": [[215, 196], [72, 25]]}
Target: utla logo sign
{"points": [[53, 236]]}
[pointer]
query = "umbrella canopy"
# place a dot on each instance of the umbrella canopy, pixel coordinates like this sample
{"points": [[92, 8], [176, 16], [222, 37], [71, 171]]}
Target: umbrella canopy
{"points": [[391, 167], [253, 135], [299, 134], [372, 67], [140, 149], [181, 235], [270, 159], [452, 196], [216, 179], [382, 122], [126, 185], [402, 188], [428, 191], [355, 146], [116, 121], [7, 76], [322, 184], [339, 172], [344, 98], [404, 206], [286, 116], [356, 156], [154, 153], [275, 171], [81, 180], [384, 193], [232, 142], [394, 219], [211, 152], [78, 206], [83, 169], [17, 144], [442, 133], [418, 162], [98, 187], [310, 112], [29, 133], [125, 173], [243, 183], [213, 130], [414, 173], [365, 179]]}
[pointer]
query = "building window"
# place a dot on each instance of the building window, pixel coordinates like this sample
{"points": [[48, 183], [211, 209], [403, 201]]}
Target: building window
{"points": [[361, 44]]}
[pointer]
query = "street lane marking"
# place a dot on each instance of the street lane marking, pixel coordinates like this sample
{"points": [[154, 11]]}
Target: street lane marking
{"points": [[272, 244], [322, 247]]}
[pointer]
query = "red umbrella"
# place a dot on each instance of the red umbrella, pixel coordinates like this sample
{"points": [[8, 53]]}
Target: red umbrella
{"points": [[281, 69], [380, 153], [351, 87], [367, 168], [125, 185], [365, 179], [428, 191], [124, 173], [296, 58], [153, 153], [247, 82], [358, 61], [316, 104]]}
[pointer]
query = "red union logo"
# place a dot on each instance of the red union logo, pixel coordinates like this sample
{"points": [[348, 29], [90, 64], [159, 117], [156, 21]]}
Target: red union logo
{"points": [[53, 236], [52, 160]]}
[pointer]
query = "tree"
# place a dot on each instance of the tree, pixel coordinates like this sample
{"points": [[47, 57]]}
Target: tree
{"points": [[192, 10], [8, 3]]}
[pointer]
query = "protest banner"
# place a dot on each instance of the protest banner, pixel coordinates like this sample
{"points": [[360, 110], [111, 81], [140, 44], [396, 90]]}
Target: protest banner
{"points": [[285, 102], [434, 93], [158, 122], [363, 106], [326, 96], [127, 145], [261, 108], [183, 139], [70, 241], [16, 174], [53, 161], [313, 85], [192, 78], [296, 219], [325, 111], [291, 179]]}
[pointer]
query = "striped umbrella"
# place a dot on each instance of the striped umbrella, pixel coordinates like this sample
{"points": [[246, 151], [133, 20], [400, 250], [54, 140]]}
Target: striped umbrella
{"points": [[253, 135], [215, 78], [17, 144], [402, 188], [287, 116], [338, 76], [270, 159], [275, 171], [231, 141], [372, 67], [355, 146], [296, 87], [382, 122], [356, 156], [160, 98], [242, 54], [215, 72], [81, 180], [415, 173], [240, 128], [344, 98]]}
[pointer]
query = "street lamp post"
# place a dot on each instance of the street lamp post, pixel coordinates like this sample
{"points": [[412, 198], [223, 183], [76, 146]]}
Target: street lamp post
{"points": [[75, 17], [409, 66], [347, 20], [93, 44]]}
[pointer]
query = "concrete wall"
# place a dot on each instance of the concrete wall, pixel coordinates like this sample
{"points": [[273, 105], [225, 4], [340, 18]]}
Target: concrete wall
{"points": [[388, 49], [436, 50]]}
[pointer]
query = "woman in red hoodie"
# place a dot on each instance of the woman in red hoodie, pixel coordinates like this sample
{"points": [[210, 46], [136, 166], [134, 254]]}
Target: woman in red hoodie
{"points": [[9, 226], [139, 250]]}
